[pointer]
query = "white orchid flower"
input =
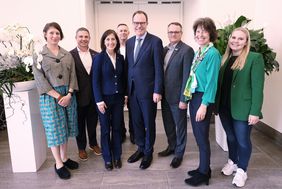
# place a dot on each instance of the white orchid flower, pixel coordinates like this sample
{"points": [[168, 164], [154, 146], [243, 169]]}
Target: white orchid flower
{"points": [[28, 61], [27, 69]]}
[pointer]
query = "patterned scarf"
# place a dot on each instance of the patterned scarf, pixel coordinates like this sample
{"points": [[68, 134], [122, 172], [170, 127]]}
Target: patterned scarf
{"points": [[191, 83]]}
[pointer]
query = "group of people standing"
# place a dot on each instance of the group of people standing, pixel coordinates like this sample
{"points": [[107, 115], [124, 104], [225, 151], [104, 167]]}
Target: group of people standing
{"points": [[79, 87]]}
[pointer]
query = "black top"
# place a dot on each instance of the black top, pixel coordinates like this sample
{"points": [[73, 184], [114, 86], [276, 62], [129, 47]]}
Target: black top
{"points": [[225, 100]]}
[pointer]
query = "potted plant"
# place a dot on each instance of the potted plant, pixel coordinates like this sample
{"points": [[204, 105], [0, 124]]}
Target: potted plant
{"points": [[17, 46], [23, 120], [258, 43]]}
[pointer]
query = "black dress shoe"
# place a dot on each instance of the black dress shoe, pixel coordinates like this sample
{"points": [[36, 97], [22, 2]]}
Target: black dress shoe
{"points": [[135, 157], [132, 139], [146, 162], [109, 166], [176, 162], [71, 164], [63, 172], [198, 179], [166, 152], [194, 172], [117, 164]]}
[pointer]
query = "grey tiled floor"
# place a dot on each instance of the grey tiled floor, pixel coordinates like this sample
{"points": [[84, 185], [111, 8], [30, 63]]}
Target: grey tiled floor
{"points": [[265, 169]]}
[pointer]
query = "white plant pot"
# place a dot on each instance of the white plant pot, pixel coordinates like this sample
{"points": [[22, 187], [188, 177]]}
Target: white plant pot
{"points": [[220, 135], [26, 135], [24, 86]]}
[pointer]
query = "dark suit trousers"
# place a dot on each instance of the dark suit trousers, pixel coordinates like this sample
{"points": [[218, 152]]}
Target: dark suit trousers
{"points": [[201, 131], [110, 127], [130, 125], [175, 125], [143, 113], [87, 117]]}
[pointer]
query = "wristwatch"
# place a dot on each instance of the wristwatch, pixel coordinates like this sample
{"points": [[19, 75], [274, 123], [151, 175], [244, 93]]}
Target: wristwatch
{"points": [[71, 92]]}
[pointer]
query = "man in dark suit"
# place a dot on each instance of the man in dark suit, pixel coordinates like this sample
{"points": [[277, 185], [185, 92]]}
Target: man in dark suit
{"points": [[87, 114], [178, 58], [123, 33], [144, 58]]}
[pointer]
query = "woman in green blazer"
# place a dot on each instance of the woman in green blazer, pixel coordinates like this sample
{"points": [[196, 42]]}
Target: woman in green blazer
{"points": [[239, 101]]}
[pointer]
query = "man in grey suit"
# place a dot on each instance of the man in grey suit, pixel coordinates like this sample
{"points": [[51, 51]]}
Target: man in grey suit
{"points": [[178, 58]]}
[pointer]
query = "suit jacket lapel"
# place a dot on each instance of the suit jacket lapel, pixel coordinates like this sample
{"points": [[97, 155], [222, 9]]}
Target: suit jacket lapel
{"points": [[235, 73], [79, 63], [145, 44], [175, 51], [130, 50], [109, 62], [165, 51]]}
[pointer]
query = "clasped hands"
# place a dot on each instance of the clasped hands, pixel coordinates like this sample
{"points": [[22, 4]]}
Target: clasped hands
{"points": [[64, 100]]}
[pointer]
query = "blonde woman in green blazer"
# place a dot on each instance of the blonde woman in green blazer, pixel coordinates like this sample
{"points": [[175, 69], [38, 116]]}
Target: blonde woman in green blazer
{"points": [[239, 101]]}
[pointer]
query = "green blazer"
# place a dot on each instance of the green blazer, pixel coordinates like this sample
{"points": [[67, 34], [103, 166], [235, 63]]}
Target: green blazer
{"points": [[246, 88]]}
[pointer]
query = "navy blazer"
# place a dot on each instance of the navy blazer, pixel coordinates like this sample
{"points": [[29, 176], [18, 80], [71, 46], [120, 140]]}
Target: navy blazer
{"points": [[147, 72], [107, 80], [84, 95]]}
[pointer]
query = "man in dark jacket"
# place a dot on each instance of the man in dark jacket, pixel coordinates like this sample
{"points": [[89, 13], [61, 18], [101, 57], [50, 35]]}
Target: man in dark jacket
{"points": [[87, 115]]}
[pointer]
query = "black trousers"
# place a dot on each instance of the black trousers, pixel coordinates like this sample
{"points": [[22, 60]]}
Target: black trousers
{"points": [[87, 118]]}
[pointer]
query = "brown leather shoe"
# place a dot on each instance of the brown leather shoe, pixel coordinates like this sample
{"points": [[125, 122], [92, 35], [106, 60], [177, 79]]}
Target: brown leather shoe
{"points": [[82, 155], [96, 149]]}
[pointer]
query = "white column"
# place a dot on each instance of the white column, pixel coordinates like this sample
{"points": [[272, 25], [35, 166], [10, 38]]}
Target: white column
{"points": [[220, 135], [25, 131]]}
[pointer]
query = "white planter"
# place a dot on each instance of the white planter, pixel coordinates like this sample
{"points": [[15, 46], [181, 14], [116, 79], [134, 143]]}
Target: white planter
{"points": [[25, 131], [24, 86], [220, 135]]}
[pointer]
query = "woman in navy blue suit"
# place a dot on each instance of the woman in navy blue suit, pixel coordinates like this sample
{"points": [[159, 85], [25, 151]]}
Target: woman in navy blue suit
{"points": [[109, 90]]}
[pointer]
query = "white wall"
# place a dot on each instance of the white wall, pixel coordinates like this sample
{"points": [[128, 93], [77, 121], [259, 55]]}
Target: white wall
{"points": [[122, 13], [35, 14], [89, 21], [268, 14]]}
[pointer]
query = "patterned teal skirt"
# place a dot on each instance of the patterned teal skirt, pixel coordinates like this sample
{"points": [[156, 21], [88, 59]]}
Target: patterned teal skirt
{"points": [[59, 122]]}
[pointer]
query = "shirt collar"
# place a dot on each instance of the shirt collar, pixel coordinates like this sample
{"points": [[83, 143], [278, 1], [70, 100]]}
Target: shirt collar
{"points": [[78, 49], [142, 37], [171, 47]]}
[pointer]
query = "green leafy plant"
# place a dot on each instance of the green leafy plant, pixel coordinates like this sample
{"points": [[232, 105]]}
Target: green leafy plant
{"points": [[10, 76], [258, 43]]}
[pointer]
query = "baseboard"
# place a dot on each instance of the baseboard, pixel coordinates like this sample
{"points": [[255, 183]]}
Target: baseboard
{"points": [[270, 132]]}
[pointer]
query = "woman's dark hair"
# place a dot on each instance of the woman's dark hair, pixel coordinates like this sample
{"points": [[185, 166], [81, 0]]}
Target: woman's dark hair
{"points": [[105, 35], [54, 25], [208, 24]]}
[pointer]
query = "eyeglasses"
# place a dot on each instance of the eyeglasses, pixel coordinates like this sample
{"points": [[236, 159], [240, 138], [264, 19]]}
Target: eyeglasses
{"points": [[174, 32], [139, 23]]}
